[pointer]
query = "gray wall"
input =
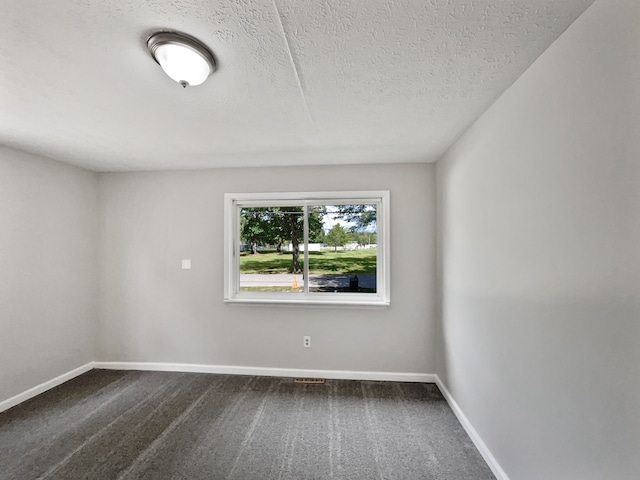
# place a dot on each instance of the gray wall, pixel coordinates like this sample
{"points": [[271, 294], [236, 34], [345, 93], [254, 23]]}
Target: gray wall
{"points": [[48, 269], [152, 311], [539, 259]]}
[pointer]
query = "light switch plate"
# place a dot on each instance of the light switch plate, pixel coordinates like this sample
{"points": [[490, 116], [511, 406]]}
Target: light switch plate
{"points": [[186, 264]]}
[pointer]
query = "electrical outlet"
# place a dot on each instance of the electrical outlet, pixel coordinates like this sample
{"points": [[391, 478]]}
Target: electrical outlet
{"points": [[306, 341]]}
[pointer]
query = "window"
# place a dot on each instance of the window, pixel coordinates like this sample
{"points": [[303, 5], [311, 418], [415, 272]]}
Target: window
{"points": [[307, 248]]}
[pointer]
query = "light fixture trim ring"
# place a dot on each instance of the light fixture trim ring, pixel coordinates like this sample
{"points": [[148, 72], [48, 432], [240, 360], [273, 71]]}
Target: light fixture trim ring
{"points": [[174, 38]]}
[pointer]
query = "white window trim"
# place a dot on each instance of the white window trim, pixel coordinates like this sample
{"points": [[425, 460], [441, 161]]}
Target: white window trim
{"points": [[234, 201]]}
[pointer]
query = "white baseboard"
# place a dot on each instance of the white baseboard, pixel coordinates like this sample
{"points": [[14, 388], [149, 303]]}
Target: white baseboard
{"points": [[43, 387], [473, 434], [269, 372]]}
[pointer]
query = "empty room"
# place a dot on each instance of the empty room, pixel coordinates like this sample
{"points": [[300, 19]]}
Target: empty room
{"points": [[332, 239]]}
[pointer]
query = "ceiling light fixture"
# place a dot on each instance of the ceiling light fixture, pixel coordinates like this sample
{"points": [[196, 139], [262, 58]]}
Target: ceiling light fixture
{"points": [[185, 59]]}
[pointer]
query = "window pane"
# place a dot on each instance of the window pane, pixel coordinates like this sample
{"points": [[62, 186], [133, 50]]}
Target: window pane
{"points": [[343, 254], [271, 242]]}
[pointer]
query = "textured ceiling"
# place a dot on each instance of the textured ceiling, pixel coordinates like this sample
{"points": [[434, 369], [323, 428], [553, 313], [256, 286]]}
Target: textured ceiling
{"points": [[299, 81]]}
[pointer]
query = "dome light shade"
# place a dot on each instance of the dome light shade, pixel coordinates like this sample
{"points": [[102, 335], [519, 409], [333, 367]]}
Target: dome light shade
{"points": [[183, 58]]}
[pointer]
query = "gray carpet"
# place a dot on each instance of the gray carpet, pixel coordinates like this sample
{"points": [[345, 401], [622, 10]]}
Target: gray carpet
{"points": [[152, 425]]}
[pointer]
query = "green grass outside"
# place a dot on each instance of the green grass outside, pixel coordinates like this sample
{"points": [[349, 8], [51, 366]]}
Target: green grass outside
{"points": [[325, 262]]}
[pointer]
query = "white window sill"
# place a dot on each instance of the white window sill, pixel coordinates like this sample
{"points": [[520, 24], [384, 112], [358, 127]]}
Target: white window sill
{"points": [[330, 303]]}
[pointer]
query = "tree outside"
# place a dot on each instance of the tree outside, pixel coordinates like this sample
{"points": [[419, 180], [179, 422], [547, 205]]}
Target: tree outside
{"points": [[278, 226], [337, 237]]}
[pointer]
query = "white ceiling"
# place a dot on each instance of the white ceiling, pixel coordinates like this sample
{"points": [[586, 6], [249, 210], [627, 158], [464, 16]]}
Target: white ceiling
{"points": [[299, 81]]}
